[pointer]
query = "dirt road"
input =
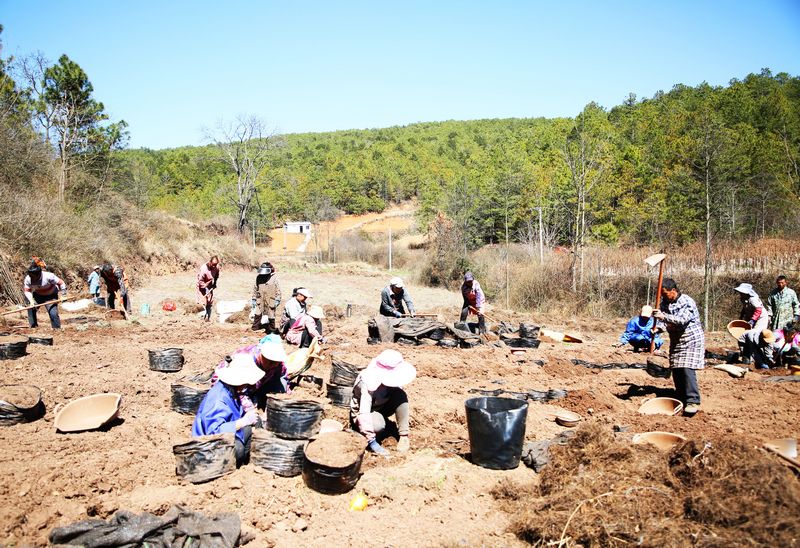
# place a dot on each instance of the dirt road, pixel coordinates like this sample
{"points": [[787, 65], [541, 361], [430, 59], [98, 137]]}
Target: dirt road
{"points": [[432, 496]]}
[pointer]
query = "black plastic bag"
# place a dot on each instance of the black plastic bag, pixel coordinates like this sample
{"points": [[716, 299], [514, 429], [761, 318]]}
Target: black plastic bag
{"points": [[293, 419], [343, 372], [528, 330], [20, 403], [340, 395], [13, 349], [448, 343], [186, 398], [47, 341], [522, 343], [284, 457], [205, 458], [496, 429], [168, 360]]}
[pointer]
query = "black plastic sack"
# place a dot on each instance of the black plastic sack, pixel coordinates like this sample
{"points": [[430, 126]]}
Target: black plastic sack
{"points": [[528, 330], [343, 372], [437, 334], [168, 360], [284, 457], [556, 394], [408, 341], [12, 350], [20, 403], [205, 458], [469, 343], [522, 343], [448, 343], [47, 341], [496, 429], [339, 395], [293, 419], [186, 398]]}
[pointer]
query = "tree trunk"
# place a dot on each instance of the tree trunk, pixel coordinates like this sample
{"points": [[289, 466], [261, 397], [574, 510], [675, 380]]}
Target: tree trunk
{"points": [[707, 273]]}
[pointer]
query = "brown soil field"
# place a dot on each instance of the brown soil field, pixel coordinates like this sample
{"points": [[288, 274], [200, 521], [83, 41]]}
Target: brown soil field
{"points": [[431, 496]]}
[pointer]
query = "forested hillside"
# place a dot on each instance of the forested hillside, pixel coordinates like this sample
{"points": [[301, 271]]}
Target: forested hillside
{"points": [[691, 162]]}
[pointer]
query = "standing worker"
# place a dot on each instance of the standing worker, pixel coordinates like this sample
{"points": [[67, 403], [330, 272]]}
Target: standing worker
{"points": [[115, 280], [393, 296], [207, 283], [474, 300], [39, 287], [782, 305], [94, 284], [266, 299], [687, 346]]}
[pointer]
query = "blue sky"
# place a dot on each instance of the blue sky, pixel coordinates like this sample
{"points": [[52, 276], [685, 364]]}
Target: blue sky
{"points": [[171, 68]]}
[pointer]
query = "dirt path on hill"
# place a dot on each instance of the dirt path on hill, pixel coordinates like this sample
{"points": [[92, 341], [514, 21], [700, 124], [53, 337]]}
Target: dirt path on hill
{"points": [[431, 496]]}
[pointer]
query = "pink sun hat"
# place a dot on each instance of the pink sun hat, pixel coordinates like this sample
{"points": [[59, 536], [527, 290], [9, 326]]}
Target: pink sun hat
{"points": [[388, 369]]}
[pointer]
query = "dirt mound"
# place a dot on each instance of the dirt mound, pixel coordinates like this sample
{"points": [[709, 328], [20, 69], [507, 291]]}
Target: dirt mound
{"points": [[601, 491]]}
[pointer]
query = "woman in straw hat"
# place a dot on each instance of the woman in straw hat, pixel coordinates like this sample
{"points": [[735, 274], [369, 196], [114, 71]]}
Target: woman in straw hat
{"points": [[377, 395], [221, 411], [270, 357], [306, 327]]}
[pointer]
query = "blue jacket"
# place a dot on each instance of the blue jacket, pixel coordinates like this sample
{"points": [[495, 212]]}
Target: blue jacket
{"points": [[218, 413], [635, 331]]}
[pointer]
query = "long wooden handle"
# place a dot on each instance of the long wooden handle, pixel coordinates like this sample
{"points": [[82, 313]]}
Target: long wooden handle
{"points": [[658, 302], [39, 304]]}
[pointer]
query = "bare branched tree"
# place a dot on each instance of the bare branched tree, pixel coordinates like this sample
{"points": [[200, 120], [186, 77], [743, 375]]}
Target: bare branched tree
{"points": [[245, 144]]}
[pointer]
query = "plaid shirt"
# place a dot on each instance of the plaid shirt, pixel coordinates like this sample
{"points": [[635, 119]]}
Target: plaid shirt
{"points": [[686, 339]]}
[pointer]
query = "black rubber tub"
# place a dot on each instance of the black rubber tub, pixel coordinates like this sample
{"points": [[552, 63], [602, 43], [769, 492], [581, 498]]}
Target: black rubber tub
{"points": [[186, 397], [293, 419], [334, 479], [20, 403], [496, 429], [13, 349], [339, 395], [205, 458], [283, 457], [168, 360]]}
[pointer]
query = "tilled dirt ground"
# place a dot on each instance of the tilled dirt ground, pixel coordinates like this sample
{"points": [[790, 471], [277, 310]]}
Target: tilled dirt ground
{"points": [[430, 496]]}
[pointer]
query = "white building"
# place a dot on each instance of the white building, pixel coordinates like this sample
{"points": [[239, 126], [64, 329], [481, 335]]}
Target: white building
{"points": [[297, 227]]}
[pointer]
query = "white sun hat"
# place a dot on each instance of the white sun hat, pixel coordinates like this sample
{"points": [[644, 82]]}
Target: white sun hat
{"points": [[242, 370], [396, 282]]}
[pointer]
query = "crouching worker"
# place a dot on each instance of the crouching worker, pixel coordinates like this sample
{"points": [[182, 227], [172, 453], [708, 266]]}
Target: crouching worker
{"points": [[307, 327], [758, 347], [221, 412], [639, 331], [377, 395], [270, 358]]}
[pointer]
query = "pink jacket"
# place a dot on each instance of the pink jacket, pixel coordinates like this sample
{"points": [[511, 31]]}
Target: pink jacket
{"points": [[295, 333]]}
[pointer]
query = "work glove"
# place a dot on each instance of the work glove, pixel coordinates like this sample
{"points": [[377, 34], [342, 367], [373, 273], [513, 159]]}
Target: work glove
{"points": [[618, 345], [64, 294], [376, 448], [253, 304], [252, 314], [397, 314], [323, 340], [752, 323], [657, 314]]}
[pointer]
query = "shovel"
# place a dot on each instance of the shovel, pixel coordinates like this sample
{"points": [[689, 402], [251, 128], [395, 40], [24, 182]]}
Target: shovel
{"points": [[653, 260], [55, 301]]}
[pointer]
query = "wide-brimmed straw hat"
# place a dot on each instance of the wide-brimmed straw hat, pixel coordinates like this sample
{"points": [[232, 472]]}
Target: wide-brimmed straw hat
{"points": [[242, 370], [388, 369], [768, 336], [316, 312], [647, 311], [273, 351], [744, 288], [304, 292], [396, 282]]}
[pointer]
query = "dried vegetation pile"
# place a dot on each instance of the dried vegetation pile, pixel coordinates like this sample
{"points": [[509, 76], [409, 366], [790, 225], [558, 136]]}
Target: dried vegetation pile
{"points": [[602, 491]]}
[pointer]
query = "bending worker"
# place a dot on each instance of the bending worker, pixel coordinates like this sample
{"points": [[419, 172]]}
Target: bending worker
{"points": [[474, 300], [115, 280], [206, 284], [393, 297], [377, 395], [39, 287], [266, 299], [639, 331], [294, 307], [307, 327]]}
